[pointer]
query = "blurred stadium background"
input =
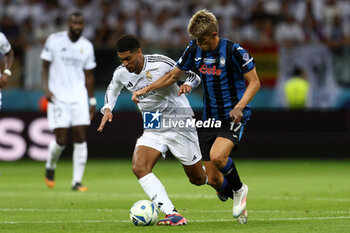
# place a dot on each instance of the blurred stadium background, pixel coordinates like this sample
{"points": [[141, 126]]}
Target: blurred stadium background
{"points": [[311, 37]]}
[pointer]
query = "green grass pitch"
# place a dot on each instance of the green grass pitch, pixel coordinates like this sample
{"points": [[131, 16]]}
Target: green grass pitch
{"points": [[284, 196]]}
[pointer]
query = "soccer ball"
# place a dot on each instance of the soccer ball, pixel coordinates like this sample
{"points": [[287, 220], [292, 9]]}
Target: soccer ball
{"points": [[144, 213]]}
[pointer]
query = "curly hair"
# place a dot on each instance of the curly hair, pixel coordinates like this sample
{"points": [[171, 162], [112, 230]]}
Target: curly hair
{"points": [[202, 23], [128, 42]]}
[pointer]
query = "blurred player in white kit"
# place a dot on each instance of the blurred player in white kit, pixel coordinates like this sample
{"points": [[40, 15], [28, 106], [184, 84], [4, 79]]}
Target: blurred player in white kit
{"points": [[68, 63], [6, 50]]}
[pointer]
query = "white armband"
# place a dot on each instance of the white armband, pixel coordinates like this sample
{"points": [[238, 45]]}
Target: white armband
{"points": [[193, 80]]}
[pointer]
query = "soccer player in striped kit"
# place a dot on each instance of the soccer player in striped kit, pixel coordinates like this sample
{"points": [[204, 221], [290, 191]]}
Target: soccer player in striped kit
{"points": [[224, 66]]}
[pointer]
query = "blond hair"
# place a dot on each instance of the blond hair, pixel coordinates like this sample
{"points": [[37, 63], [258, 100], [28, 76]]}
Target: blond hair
{"points": [[202, 23]]}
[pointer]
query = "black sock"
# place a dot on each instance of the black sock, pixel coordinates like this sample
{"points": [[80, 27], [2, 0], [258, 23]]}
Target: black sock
{"points": [[231, 175], [226, 189]]}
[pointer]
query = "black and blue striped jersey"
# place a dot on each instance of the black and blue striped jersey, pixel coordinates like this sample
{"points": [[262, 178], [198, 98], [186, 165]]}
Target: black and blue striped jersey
{"points": [[222, 77]]}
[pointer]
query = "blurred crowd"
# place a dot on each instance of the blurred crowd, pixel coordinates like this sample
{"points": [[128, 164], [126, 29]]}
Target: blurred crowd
{"points": [[161, 26], [163, 22]]}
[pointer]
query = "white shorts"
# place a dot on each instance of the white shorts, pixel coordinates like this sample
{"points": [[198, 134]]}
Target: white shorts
{"points": [[65, 115], [184, 148]]}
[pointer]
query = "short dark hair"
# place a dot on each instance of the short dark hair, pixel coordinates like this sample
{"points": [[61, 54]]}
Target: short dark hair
{"points": [[127, 42], [75, 14]]}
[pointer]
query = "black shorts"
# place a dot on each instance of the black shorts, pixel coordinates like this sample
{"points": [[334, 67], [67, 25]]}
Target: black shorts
{"points": [[227, 130]]}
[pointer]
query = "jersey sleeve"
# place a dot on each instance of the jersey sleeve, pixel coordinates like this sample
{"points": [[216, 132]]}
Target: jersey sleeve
{"points": [[187, 59], [245, 61], [193, 79], [112, 92], [46, 53], [167, 63], [5, 45], [90, 62]]}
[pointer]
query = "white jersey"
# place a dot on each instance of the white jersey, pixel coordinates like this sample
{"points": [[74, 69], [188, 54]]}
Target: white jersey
{"points": [[155, 66], [68, 61], [5, 47]]}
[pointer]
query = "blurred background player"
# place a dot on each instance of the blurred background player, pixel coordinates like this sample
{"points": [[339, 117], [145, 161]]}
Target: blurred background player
{"points": [[6, 50], [68, 63], [137, 71], [224, 67]]}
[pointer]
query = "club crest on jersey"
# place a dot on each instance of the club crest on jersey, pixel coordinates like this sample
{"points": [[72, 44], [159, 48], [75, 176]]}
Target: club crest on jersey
{"points": [[222, 61], [148, 76], [246, 57], [206, 70]]}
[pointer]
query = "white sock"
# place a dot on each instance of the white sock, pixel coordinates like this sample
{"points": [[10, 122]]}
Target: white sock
{"points": [[55, 151], [80, 154], [156, 192]]}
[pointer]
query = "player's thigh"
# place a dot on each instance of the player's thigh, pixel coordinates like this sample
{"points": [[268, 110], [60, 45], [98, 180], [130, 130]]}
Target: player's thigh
{"points": [[79, 133], [80, 114], [215, 177], [195, 173], [221, 150], [61, 136], [143, 160]]}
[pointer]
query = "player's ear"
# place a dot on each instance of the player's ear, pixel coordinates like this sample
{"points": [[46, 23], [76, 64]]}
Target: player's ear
{"points": [[214, 34], [139, 50]]}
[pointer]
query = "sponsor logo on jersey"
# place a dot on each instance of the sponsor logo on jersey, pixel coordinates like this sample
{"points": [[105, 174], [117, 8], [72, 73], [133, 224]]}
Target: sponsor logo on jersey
{"points": [[206, 70], [148, 76], [209, 60], [197, 59]]}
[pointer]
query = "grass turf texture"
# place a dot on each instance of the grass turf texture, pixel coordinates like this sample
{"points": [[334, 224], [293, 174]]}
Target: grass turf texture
{"points": [[284, 196]]}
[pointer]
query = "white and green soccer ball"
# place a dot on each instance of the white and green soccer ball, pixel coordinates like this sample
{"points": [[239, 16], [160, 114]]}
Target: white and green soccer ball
{"points": [[144, 213]]}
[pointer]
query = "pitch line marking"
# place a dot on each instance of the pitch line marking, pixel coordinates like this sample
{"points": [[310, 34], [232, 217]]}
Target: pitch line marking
{"points": [[194, 210], [141, 195], [204, 220]]}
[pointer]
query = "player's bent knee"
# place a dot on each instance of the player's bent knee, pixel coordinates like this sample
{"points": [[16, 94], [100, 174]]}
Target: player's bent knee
{"points": [[140, 171], [197, 180], [61, 141], [217, 160]]}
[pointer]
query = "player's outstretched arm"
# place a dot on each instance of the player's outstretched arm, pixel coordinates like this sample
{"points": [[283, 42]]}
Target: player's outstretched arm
{"points": [[8, 60], [166, 80], [107, 116], [253, 86]]}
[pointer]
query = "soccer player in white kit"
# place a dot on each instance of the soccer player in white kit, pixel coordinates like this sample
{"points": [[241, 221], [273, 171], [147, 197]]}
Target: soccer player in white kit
{"points": [[6, 50], [68, 63], [137, 71]]}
